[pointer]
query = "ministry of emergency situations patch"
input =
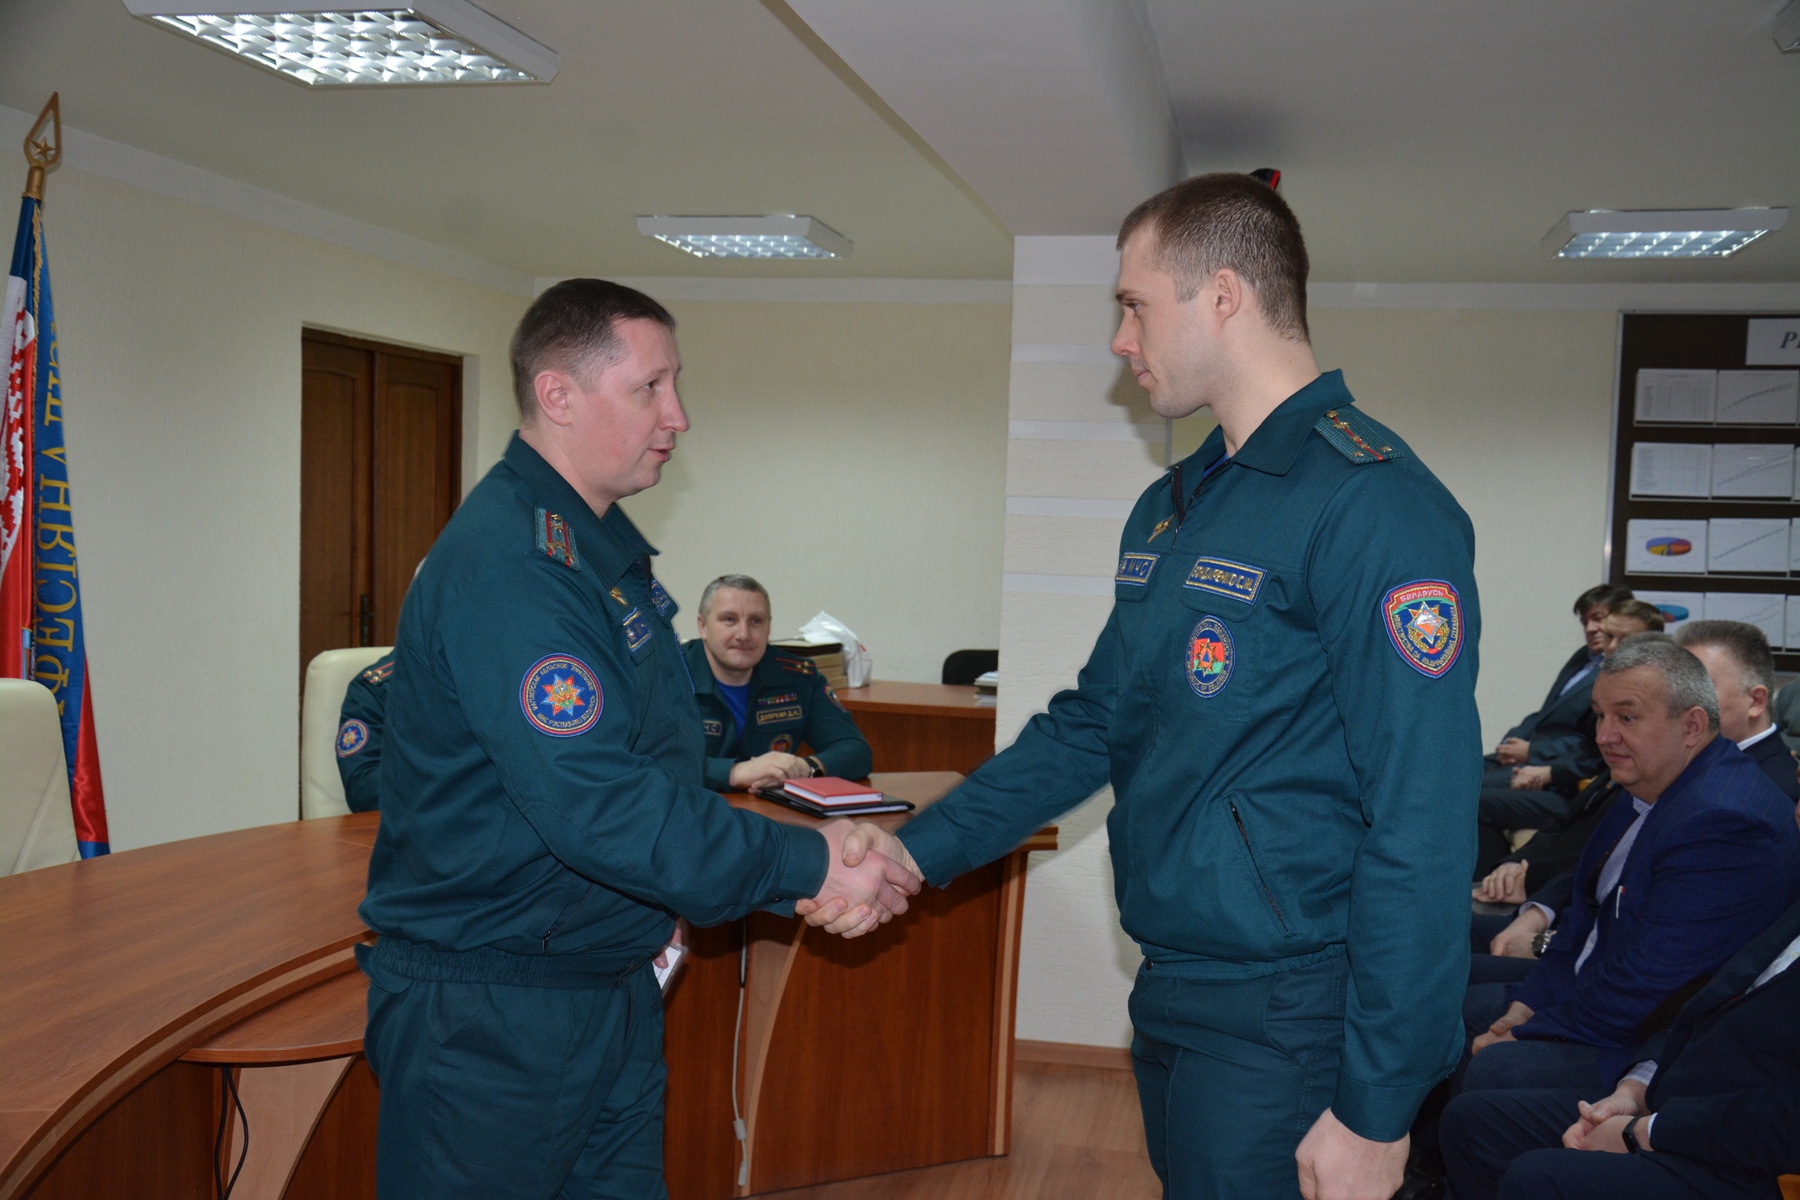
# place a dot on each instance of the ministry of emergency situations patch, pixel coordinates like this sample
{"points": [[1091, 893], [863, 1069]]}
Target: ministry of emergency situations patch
{"points": [[637, 630], [353, 736], [1135, 568], [1210, 657], [782, 745], [1425, 623], [560, 696]]}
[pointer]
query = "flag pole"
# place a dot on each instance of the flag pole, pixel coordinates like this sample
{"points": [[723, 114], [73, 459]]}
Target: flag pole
{"points": [[43, 147]]}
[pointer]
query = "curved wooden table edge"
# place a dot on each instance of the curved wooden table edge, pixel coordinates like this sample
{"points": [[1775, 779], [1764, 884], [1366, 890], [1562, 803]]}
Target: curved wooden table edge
{"points": [[39, 1150]]}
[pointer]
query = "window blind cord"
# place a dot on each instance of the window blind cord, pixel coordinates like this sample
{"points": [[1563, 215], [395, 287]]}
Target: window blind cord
{"points": [[737, 1118]]}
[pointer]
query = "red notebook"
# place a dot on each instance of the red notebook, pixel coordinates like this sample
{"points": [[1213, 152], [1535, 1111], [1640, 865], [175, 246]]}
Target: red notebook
{"points": [[829, 790]]}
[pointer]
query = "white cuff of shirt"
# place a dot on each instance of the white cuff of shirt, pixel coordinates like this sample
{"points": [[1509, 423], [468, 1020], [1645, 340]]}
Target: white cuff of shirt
{"points": [[1644, 1072], [1549, 913]]}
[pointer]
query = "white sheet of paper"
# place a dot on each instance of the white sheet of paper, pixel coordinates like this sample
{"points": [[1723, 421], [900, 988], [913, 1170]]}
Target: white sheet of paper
{"points": [[1793, 621], [1674, 469], [1794, 547], [1677, 608], [1758, 398], [1747, 544], [1767, 612], [1752, 469], [1657, 547], [1680, 397]]}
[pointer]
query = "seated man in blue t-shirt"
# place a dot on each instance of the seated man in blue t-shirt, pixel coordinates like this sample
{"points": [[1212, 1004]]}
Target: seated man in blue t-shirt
{"points": [[759, 707]]}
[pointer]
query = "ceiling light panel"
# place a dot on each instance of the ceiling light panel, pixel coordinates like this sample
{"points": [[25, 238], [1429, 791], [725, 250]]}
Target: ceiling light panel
{"points": [[430, 42], [782, 236], [1681, 233]]}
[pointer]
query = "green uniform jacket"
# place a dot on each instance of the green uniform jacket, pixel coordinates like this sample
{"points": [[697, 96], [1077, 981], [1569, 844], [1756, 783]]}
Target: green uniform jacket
{"points": [[362, 730], [789, 704], [1283, 700], [540, 788]]}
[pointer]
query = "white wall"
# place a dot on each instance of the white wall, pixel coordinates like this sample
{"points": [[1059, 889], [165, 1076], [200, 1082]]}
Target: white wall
{"points": [[848, 456], [1511, 409], [179, 330]]}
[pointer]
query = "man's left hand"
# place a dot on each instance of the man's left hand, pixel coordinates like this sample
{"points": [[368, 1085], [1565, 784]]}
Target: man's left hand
{"points": [[1530, 779], [1337, 1164], [1608, 1136]]}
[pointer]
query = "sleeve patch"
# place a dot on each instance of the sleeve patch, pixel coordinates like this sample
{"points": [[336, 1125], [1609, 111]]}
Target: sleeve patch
{"points": [[1135, 568], [555, 538], [711, 728], [1424, 621], [665, 607], [637, 630], [352, 736], [561, 696]]}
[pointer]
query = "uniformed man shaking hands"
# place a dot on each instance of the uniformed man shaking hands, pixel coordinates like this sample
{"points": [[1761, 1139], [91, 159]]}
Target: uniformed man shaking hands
{"points": [[759, 707], [1283, 702], [543, 821]]}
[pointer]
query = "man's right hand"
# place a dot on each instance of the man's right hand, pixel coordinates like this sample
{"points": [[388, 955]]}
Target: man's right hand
{"points": [[1505, 884], [857, 897], [767, 770], [1627, 1101], [1515, 940], [868, 836], [1501, 1030], [1513, 752]]}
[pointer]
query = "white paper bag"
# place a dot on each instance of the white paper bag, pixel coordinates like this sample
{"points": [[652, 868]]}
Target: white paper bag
{"points": [[859, 664]]}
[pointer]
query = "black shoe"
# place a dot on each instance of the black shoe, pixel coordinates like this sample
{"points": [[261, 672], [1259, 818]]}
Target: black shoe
{"points": [[1422, 1182]]}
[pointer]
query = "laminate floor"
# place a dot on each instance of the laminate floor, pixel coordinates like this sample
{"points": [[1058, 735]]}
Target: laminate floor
{"points": [[1076, 1136]]}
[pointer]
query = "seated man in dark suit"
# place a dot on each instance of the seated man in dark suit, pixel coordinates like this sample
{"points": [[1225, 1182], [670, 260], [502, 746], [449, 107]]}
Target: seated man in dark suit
{"points": [[757, 704], [1712, 1111], [1671, 884], [1531, 775], [1741, 665]]}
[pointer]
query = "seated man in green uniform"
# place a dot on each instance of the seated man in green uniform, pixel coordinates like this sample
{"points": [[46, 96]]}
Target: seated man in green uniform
{"points": [[362, 728], [543, 819], [1283, 702], [757, 705]]}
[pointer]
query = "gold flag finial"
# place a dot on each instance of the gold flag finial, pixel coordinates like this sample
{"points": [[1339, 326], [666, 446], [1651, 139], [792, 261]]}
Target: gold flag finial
{"points": [[43, 147]]}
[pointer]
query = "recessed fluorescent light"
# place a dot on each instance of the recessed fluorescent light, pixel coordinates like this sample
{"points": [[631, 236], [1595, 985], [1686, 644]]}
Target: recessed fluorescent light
{"points": [[1681, 233], [748, 237], [431, 41]]}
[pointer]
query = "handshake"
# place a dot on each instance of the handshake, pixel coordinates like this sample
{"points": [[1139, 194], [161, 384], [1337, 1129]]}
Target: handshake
{"points": [[867, 883]]}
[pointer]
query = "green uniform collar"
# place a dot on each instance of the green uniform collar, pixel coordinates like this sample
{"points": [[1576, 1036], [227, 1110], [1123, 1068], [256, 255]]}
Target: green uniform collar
{"points": [[767, 672], [1276, 443], [606, 545]]}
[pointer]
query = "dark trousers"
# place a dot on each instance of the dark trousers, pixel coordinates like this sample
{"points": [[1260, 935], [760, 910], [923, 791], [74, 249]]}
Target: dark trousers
{"points": [[1492, 968], [1232, 1073], [1503, 809], [532, 1093], [1519, 1064], [1508, 1144]]}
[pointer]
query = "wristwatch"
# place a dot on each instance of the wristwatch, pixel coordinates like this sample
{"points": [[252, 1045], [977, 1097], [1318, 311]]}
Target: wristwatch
{"points": [[1541, 940], [818, 768], [1629, 1135]]}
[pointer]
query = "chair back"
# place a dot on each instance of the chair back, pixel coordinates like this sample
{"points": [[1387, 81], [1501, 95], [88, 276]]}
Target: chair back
{"points": [[328, 676], [37, 826], [962, 667]]}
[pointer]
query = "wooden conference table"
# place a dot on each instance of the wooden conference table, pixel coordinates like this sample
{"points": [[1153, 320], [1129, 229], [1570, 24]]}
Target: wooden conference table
{"points": [[923, 726], [133, 983]]}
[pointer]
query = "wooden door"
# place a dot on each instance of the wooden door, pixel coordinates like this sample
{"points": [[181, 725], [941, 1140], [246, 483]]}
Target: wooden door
{"points": [[380, 448]]}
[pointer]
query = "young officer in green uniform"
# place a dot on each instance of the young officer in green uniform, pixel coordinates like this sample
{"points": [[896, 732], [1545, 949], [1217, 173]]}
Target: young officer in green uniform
{"points": [[1283, 702], [542, 817], [362, 730], [757, 705]]}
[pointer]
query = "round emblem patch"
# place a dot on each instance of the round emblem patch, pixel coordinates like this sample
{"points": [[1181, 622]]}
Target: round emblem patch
{"points": [[783, 744], [352, 736], [560, 696], [1210, 657], [1424, 621]]}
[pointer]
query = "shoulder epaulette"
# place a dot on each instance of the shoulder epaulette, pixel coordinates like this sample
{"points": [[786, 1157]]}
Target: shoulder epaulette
{"points": [[555, 538], [795, 663], [1356, 437], [380, 673]]}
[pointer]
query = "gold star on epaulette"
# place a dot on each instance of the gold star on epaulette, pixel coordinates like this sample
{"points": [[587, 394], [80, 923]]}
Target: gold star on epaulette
{"points": [[616, 594]]}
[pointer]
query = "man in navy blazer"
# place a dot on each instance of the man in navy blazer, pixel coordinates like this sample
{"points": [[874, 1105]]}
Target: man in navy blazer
{"points": [[1555, 743], [1713, 1108], [1700, 861]]}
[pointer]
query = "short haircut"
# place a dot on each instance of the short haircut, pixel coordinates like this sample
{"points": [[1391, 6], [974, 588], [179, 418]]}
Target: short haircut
{"points": [[1604, 595], [1212, 222], [1684, 676], [742, 583], [1634, 609], [1747, 645], [572, 327]]}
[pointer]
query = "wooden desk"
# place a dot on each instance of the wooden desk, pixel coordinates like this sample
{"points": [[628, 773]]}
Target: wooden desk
{"points": [[134, 981], [923, 726]]}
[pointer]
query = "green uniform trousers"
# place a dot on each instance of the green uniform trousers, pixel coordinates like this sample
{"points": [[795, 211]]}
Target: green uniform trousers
{"points": [[492, 1091], [1232, 1072]]}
